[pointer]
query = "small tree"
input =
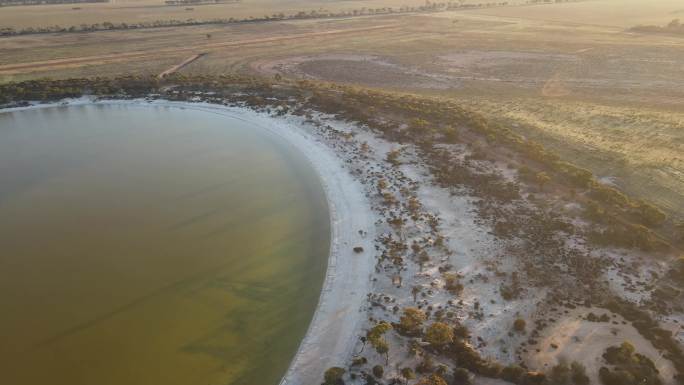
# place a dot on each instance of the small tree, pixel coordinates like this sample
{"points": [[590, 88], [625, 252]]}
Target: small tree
{"points": [[408, 374], [375, 337], [377, 331], [560, 374], [519, 325], [439, 334], [411, 322], [383, 348], [393, 157], [378, 371], [512, 373], [333, 376], [542, 179], [461, 376], [452, 284], [578, 373], [363, 340], [415, 290]]}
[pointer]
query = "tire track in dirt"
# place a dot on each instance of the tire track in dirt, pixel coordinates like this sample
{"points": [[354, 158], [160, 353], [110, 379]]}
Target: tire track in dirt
{"points": [[178, 67]]}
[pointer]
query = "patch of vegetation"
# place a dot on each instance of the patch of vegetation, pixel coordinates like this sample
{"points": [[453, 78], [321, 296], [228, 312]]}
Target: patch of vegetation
{"points": [[629, 367], [378, 371], [564, 374], [333, 376], [675, 27], [661, 339], [377, 340], [411, 322], [519, 325], [439, 335]]}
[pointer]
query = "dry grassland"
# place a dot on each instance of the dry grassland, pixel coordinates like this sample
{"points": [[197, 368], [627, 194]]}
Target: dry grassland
{"points": [[129, 11]]}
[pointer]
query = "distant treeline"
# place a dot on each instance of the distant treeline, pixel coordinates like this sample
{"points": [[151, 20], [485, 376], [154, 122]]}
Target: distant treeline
{"points": [[314, 14], [675, 27], [5, 3], [107, 26]]}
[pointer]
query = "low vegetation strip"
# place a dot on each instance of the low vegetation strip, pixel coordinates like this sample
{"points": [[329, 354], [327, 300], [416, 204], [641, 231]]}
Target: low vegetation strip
{"points": [[675, 27], [301, 15], [429, 7]]}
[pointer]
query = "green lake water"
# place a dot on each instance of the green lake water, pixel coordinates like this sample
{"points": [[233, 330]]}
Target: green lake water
{"points": [[146, 245]]}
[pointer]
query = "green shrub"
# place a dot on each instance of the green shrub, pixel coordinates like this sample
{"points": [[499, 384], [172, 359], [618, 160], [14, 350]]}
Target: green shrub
{"points": [[519, 325], [333, 376], [378, 371]]}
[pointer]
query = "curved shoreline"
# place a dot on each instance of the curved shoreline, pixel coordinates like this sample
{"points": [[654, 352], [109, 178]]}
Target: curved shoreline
{"points": [[330, 337]]}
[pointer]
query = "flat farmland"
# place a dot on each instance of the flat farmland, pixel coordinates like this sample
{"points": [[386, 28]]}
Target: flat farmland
{"points": [[616, 13], [136, 11]]}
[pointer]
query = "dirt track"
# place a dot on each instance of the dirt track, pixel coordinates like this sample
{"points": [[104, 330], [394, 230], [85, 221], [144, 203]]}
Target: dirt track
{"points": [[177, 67], [9, 69]]}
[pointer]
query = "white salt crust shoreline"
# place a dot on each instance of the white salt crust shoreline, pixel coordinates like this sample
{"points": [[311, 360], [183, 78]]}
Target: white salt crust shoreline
{"points": [[331, 335]]}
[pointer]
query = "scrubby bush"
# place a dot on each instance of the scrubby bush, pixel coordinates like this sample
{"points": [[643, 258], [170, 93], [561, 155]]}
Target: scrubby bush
{"points": [[462, 377], [512, 373], [439, 335], [411, 323], [378, 371], [578, 374], [630, 368], [519, 325], [559, 374], [333, 376], [426, 365], [407, 374], [452, 284]]}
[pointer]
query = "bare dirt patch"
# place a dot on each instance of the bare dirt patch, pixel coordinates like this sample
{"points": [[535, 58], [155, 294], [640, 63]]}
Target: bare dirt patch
{"points": [[349, 68], [573, 338]]}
